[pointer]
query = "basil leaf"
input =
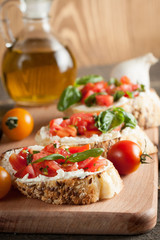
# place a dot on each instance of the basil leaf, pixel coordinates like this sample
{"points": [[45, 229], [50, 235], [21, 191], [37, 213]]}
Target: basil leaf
{"points": [[90, 100], [70, 96], [88, 79], [35, 152], [29, 158], [130, 94], [114, 81], [104, 121], [130, 120], [118, 95], [50, 157], [142, 88], [81, 156], [117, 120], [112, 118]]}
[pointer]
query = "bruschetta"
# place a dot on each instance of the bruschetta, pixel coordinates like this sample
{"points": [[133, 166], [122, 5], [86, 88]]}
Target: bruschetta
{"points": [[62, 175], [92, 94], [101, 130]]}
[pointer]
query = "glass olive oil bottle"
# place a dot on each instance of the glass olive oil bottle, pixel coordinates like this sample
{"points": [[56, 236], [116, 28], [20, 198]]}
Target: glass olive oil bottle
{"points": [[36, 67]]}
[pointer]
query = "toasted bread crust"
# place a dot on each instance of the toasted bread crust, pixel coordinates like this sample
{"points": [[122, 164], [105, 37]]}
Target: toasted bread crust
{"points": [[138, 136], [74, 190], [145, 108], [86, 189]]}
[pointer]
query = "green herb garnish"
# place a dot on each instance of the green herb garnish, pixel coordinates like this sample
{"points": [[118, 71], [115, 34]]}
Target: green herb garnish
{"points": [[91, 100], [81, 156], [50, 157], [70, 96], [112, 118], [76, 157], [29, 157], [44, 170], [130, 94], [88, 79], [114, 81], [118, 95], [142, 88], [35, 152]]}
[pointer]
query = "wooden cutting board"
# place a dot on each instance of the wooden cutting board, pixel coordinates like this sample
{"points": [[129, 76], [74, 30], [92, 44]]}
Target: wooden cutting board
{"points": [[133, 211]]}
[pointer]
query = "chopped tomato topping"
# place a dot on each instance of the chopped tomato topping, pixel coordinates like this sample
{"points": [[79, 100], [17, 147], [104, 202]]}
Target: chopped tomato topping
{"points": [[125, 80], [89, 93], [79, 149], [104, 100], [50, 167], [126, 87], [91, 133], [27, 170], [92, 164]]}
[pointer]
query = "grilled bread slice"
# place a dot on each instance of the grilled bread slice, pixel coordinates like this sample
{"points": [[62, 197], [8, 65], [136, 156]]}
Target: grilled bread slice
{"points": [[105, 140], [145, 108], [76, 187]]}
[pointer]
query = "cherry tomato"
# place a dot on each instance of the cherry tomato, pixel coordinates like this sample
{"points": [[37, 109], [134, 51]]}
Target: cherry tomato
{"points": [[17, 124], [126, 156], [5, 182]]}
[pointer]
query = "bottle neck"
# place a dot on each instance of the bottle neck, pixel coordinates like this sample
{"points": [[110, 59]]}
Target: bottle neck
{"points": [[36, 9], [32, 24]]}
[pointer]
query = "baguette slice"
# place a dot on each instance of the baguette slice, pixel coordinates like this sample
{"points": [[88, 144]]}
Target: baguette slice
{"points": [[105, 140], [145, 108], [77, 187]]}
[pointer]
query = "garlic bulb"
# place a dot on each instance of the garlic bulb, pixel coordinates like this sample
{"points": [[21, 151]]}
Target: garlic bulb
{"points": [[136, 69]]}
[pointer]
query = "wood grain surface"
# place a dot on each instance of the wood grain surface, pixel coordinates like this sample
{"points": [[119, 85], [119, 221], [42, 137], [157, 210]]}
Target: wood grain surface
{"points": [[102, 31], [133, 211]]}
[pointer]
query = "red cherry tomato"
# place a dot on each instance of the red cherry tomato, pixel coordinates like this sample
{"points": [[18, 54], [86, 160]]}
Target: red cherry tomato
{"points": [[126, 156]]}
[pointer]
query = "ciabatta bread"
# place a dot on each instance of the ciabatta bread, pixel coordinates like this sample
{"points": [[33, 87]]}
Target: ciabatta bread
{"points": [[105, 140], [145, 108], [76, 187]]}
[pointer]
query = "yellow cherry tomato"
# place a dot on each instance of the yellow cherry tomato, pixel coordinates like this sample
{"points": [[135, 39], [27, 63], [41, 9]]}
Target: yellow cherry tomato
{"points": [[5, 182], [17, 124]]}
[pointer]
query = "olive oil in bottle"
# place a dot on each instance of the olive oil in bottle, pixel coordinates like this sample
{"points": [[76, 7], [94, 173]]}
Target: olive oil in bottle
{"points": [[36, 67], [35, 75]]}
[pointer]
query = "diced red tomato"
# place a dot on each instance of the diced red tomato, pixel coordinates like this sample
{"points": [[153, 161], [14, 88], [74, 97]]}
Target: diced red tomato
{"points": [[50, 148], [135, 87], [125, 80], [69, 167], [27, 170], [79, 149], [89, 93], [78, 118], [111, 89], [17, 161], [100, 86], [38, 167], [69, 131], [91, 133], [39, 155], [104, 100], [55, 123], [51, 168], [92, 164], [86, 88], [126, 87], [94, 87], [66, 122]]}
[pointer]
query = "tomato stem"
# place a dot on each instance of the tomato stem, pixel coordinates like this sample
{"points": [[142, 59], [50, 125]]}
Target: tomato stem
{"points": [[143, 158]]}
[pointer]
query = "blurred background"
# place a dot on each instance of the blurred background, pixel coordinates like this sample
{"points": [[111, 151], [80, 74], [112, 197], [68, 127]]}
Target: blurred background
{"points": [[102, 32]]}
